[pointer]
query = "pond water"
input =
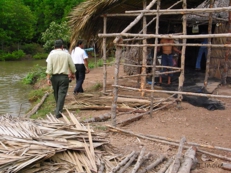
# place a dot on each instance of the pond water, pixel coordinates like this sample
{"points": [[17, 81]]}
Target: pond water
{"points": [[14, 94]]}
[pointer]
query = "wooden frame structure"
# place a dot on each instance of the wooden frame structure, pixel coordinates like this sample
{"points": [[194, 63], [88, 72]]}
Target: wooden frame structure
{"points": [[142, 35]]}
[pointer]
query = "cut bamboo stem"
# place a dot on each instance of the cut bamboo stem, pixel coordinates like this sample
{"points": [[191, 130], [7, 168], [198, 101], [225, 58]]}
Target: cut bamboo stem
{"points": [[123, 162], [139, 161], [189, 160], [131, 160], [226, 166], [176, 163], [166, 166], [154, 164]]}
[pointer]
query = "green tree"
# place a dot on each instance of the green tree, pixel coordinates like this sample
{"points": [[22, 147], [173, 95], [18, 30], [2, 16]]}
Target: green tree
{"points": [[16, 22], [55, 31], [47, 11]]}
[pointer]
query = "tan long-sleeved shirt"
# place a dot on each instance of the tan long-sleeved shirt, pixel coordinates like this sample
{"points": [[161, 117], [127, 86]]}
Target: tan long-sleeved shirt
{"points": [[59, 62]]}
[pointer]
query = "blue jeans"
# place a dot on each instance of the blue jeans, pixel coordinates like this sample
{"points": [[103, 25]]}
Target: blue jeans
{"points": [[202, 50], [167, 60]]}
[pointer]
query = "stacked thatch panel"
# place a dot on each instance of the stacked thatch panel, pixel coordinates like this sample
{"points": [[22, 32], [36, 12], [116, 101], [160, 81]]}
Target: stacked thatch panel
{"points": [[133, 56], [218, 54]]}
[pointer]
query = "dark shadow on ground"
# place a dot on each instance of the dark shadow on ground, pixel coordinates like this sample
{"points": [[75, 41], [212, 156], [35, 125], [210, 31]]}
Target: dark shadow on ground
{"points": [[194, 83]]}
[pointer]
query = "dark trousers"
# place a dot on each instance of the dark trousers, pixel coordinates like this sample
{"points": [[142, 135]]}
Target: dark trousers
{"points": [[167, 60], [80, 76], [60, 84]]}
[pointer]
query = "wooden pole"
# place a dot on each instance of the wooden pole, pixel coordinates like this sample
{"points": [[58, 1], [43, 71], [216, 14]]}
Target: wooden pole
{"points": [[209, 48], [181, 77], [104, 55], [115, 89], [144, 62], [167, 36], [176, 92], [136, 20], [150, 22], [177, 44], [181, 11], [154, 58], [227, 53]]}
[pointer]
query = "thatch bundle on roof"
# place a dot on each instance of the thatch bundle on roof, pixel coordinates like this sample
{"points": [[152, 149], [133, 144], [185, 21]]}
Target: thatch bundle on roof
{"points": [[202, 18], [86, 19]]}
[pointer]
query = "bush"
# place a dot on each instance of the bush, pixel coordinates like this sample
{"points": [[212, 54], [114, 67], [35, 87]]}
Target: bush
{"points": [[91, 65], [32, 48], [38, 72], [15, 55], [100, 63], [40, 56]]}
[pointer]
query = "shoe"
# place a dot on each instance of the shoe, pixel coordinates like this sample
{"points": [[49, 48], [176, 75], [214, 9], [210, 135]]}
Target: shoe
{"points": [[58, 116], [198, 69]]}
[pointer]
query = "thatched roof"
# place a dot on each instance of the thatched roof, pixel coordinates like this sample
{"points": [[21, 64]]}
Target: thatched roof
{"points": [[86, 21], [217, 16]]}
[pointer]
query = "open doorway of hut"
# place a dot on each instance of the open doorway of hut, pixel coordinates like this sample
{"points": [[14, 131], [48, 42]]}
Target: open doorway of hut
{"points": [[192, 51]]}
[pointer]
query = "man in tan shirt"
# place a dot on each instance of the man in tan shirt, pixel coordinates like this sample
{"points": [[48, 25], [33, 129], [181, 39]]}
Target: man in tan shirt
{"points": [[167, 56], [60, 68]]}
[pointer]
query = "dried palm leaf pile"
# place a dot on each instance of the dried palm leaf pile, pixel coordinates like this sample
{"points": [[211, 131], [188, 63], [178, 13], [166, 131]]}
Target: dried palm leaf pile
{"points": [[48, 145]]}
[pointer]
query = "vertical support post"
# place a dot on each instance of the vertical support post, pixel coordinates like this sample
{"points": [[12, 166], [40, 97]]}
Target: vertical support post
{"points": [[115, 89], [104, 54], [209, 48], [144, 55], [181, 77], [155, 57], [227, 53]]}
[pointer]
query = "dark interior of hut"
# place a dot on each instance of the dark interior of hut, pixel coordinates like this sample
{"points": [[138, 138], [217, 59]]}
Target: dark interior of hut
{"points": [[193, 79]]}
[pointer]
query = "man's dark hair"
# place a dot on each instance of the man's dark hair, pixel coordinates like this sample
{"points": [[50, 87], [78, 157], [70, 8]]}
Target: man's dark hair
{"points": [[79, 42], [58, 43]]}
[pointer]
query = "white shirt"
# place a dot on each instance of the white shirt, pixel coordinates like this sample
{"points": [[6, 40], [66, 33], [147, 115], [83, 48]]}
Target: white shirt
{"points": [[78, 55]]}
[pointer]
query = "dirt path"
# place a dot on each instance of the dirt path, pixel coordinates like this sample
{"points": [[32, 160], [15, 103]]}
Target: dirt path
{"points": [[197, 124]]}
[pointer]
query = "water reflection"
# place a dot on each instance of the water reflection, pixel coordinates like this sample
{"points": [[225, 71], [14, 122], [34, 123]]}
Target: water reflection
{"points": [[13, 94]]}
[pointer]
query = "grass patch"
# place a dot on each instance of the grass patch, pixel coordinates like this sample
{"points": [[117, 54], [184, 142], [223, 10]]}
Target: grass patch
{"points": [[38, 72], [46, 108], [96, 87], [101, 127], [86, 118], [99, 62]]}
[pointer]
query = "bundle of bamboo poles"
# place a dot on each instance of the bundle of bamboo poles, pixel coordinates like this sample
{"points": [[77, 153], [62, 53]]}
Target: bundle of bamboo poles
{"points": [[48, 145]]}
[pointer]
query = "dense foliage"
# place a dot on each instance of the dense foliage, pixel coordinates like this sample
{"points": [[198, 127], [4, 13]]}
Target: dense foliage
{"points": [[54, 32], [22, 22]]}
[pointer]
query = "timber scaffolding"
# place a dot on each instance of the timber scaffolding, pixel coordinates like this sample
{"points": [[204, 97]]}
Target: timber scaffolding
{"points": [[120, 42]]}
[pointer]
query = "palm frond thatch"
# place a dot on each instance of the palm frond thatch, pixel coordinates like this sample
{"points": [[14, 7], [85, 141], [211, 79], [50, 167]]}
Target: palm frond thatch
{"points": [[86, 19], [25, 143], [216, 16]]}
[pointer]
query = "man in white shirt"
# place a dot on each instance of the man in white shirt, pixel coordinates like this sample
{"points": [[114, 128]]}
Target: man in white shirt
{"points": [[79, 58]]}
